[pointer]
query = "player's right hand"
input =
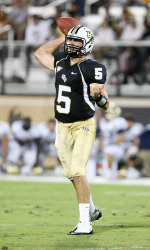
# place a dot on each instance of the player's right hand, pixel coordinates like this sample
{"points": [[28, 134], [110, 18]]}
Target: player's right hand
{"points": [[95, 90]]}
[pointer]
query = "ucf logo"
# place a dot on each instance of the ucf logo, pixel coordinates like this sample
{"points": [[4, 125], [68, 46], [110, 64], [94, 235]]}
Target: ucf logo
{"points": [[90, 35], [58, 69], [64, 78]]}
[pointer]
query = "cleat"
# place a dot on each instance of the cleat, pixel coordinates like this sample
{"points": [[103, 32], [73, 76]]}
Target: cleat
{"points": [[82, 229], [96, 215]]}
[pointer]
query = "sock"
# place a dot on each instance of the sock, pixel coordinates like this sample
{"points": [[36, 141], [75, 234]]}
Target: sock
{"points": [[84, 212], [92, 207]]}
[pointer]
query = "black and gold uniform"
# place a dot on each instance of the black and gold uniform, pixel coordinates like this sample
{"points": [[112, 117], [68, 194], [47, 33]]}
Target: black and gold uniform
{"points": [[74, 111], [73, 101]]}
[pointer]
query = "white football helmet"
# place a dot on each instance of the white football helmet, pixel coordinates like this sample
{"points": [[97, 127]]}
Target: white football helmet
{"points": [[82, 34]]}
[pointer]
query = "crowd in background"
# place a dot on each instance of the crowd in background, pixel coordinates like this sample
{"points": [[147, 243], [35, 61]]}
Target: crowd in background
{"points": [[123, 62], [94, 6], [26, 146], [124, 27]]}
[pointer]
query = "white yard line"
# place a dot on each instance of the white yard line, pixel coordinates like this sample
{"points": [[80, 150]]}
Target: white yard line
{"points": [[97, 180]]}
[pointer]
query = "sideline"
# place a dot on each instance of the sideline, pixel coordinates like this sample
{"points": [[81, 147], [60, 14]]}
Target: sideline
{"points": [[96, 181]]}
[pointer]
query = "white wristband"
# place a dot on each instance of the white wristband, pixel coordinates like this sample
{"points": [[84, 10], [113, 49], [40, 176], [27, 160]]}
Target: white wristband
{"points": [[102, 102]]}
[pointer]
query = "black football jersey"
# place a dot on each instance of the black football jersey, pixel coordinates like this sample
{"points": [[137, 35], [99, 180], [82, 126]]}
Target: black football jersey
{"points": [[73, 101]]}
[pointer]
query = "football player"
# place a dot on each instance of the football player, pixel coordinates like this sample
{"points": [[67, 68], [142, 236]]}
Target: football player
{"points": [[24, 142], [131, 144], [112, 128], [78, 85]]}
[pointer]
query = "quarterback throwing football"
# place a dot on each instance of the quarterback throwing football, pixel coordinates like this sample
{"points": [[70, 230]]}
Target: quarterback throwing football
{"points": [[79, 85]]}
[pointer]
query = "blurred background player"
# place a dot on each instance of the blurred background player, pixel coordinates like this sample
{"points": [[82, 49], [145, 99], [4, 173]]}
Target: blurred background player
{"points": [[131, 141], [24, 145], [121, 144], [112, 127]]}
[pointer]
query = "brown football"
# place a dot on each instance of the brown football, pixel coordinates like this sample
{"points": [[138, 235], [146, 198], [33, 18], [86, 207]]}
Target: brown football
{"points": [[66, 23]]}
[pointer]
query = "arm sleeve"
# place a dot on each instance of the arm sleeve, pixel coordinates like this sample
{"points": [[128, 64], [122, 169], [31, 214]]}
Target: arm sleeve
{"points": [[96, 72]]}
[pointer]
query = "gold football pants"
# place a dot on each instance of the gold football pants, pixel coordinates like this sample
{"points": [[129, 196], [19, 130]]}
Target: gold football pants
{"points": [[75, 142]]}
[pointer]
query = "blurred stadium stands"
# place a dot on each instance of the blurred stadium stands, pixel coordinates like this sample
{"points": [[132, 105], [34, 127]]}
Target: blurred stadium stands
{"points": [[126, 54]]}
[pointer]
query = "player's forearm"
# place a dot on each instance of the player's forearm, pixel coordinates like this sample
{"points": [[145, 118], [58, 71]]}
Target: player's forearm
{"points": [[50, 47], [137, 142], [100, 95], [100, 146], [105, 94], [5, 145]]}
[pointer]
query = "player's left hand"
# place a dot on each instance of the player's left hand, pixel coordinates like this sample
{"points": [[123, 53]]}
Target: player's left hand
{"points": [[95, 90]]}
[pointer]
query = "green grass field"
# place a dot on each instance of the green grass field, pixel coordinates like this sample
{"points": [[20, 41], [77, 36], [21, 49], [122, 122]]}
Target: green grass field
{"points": [[39, 216]]}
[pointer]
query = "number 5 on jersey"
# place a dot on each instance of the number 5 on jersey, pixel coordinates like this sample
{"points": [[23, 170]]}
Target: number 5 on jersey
{"points": [[65, 99], [98, 74]]}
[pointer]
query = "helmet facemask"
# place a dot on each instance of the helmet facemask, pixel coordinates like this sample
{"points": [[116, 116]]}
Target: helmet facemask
{"points": [[74, 50]]}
